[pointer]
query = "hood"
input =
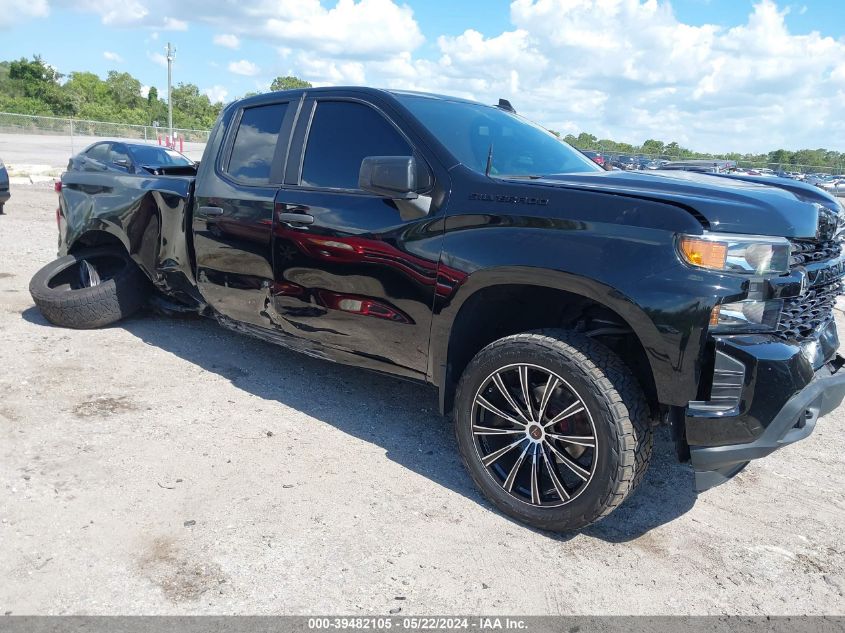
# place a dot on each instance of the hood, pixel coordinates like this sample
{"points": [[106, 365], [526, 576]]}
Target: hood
{"points": [[777, 206]]}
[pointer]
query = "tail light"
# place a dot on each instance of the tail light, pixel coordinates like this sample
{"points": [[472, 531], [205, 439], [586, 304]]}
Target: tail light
{"points": [[57, 187]]}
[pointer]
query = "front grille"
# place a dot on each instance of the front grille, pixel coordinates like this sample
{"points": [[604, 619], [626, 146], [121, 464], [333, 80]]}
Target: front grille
{"points": [[803, 316], [810, 251]]}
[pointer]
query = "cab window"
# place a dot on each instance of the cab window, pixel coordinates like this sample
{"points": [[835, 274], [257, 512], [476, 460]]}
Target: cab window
{"points": [[255, 143], [120, 157], [99, 152], [342, 134]]}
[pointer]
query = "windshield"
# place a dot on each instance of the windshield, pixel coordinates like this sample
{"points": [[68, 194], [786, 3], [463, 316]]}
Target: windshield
{"points": [[519, 147], [159, 156]]}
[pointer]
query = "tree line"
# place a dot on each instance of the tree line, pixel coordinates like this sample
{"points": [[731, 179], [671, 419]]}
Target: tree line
{"points": [[31, 86], [822, 158]]}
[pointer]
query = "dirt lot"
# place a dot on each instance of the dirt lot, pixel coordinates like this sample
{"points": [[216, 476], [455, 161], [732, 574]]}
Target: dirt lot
{"points": [[167, 466]]}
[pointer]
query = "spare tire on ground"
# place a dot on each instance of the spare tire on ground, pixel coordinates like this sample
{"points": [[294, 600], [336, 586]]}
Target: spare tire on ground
{"points": [[89, 289]]}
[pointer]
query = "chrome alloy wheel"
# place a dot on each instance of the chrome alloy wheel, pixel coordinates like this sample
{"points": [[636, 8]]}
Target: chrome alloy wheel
{"points": [[89, 272], [534, 435], [88, 275]]}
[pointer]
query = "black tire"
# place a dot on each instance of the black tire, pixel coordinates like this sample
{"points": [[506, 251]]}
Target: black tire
{"points": [[610, 401], [66, 301]]}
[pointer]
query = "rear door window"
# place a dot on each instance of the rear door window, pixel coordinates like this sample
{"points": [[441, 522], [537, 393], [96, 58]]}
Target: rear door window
{"points": [[342, 134], [255, 143], [119, 154], [99, 152]]}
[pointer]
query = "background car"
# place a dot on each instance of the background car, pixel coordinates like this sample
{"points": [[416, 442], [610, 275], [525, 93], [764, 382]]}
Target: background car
{"points": [[623, 161], [4, 186], [596, 157], [834, 185], [706, 165], [130, 158], [757, 171], [819, 180]]}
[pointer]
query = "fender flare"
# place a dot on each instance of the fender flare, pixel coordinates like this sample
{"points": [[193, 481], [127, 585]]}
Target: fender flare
{"points": [[444, 319]]}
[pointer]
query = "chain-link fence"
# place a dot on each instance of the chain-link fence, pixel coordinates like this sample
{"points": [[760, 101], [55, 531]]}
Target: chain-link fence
{"points": [[29, 124]]}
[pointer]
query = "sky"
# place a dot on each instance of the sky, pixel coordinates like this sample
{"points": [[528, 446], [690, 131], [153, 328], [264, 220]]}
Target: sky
{"points": [[712, 75]]}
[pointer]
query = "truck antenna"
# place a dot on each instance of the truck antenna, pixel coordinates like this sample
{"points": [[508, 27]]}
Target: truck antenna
{"points": [[489, 161], [505, 105]]}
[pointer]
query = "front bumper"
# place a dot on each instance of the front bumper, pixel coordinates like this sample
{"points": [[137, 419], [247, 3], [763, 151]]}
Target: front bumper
{"points": [[795, 421], [785, 389]]}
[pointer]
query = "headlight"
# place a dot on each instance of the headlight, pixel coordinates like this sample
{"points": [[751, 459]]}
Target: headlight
{"points": [[747, 254], [840, 218], [746, 316]]}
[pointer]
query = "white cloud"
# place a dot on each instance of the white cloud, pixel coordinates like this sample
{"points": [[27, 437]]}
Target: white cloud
{"points": [[227, 40], [622, 69], [113, 57], [15, 11], [630, 70], [172, 24], [244, 67], [367, 29], [323, 72], [216, 94], [131, 13], [127, 13], [508, 50], [157, 58]]}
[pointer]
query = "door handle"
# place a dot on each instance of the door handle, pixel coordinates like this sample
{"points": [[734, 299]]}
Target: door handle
{"points": [[211, 212], [295, 218]]}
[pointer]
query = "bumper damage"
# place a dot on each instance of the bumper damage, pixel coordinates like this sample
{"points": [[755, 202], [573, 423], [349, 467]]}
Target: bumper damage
{"points": [[795, 421], [766, 393]]}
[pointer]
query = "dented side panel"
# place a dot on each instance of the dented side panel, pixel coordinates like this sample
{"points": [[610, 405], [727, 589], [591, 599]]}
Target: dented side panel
{"points": [[148, 215]]}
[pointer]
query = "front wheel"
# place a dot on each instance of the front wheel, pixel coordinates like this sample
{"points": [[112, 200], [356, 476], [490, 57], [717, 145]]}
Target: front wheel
{"points": [[552, 428], [89, 289]]}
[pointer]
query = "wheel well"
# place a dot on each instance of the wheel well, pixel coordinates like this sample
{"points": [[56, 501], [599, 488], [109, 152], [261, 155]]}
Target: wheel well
{"points": [[498, 311], [96, 239]]}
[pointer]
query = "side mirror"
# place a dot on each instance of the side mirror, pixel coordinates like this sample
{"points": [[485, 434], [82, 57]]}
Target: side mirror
{"points": [[389, 176]]}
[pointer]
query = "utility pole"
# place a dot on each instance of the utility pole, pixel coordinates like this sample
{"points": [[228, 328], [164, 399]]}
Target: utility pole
{"points": [[171, 54]]}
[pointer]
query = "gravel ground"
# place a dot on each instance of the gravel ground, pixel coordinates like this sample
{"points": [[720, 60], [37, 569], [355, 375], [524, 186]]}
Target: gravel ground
{"points": [[167, 466]]}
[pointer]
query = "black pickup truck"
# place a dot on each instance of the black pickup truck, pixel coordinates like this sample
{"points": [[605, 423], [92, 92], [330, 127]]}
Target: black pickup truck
{"points": [[561, 311]]}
